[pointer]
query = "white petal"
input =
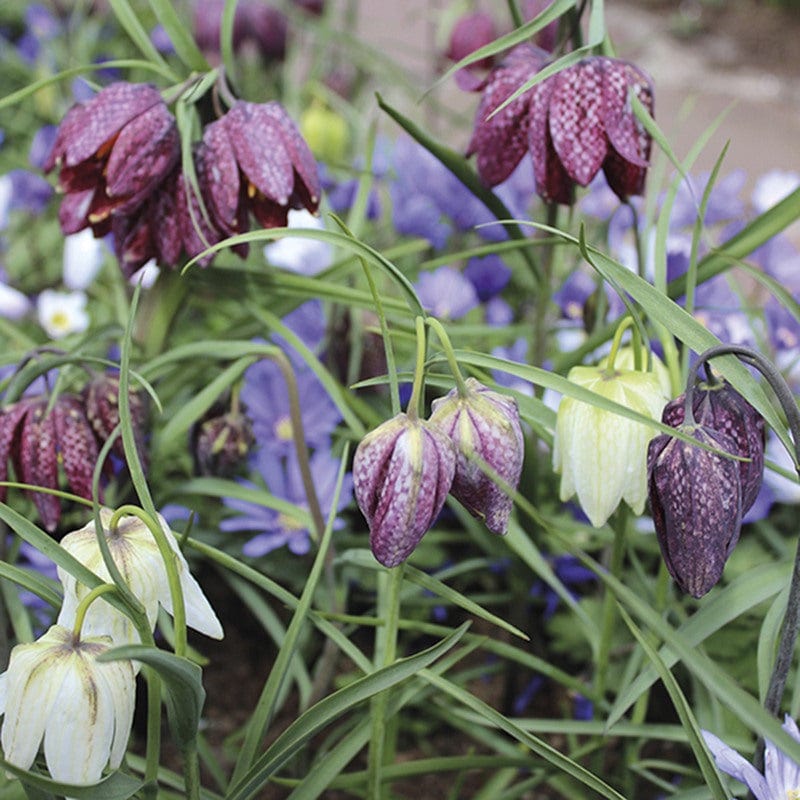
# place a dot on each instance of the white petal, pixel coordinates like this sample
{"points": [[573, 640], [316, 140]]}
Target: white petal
{"points": [[77, 739], [13, 303], [116, 679], [34, 679]]}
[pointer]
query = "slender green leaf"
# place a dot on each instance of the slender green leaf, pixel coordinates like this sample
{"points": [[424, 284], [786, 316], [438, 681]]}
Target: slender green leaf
{"points": [[180, 35], [130, 23], [44, 588], [684, 711], [117, 786], [183, 681], [331, 708]]}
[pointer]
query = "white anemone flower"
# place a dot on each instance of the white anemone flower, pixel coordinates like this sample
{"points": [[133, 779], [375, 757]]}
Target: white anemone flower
{"points": [[602, 456], [781, 778], [83, 257], [136, 554], [296, 253], [62, 313], [56, 690]]}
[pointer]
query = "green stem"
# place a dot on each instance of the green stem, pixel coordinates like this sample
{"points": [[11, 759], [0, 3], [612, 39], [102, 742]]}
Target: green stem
{"points": [[626, 323], [168, 557], [516, 17], [83, 606], [381, 749], [609, 606], [191, 772], [415, 401], [153, 745], [299, 440], [450, 354]]}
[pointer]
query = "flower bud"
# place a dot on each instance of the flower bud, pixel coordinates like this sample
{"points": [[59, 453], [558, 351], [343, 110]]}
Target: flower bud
{"points": [[221, 444], [721, 408], [402, 472], [484, 426], [696, 502], [602, 455]]}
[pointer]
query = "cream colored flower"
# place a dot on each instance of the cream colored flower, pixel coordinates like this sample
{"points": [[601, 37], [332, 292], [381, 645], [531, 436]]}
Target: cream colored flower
{"points": [[136, 554], [602, 456], [55, 690]]}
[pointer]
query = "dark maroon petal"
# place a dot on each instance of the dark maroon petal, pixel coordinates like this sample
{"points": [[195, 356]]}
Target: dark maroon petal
{"points": [[38, 461], [303, 161], [197, 229], [500, 142], [10, 419], [258, 142], [146, 150], [269, 214], [625, 133], [76, 444], [222, 175], [72, 124], [167, 234], [133, 240], [552, 182], [471, 32], [695, 499], [623, 177], [103, 117], [576, 119], [73, 213]]}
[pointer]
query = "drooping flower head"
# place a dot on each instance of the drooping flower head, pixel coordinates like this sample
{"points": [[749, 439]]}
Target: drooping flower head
{"points": [[56, 693], [139, 560], [36, 441], [402, 472], [696, 502], [484, 426], [602, 455], [112, 151], [573, 123]]}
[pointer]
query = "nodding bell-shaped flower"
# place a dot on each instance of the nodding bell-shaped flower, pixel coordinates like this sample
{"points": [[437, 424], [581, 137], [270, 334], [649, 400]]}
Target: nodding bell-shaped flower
{"points": [[602, 456], [484, 426], [136, 554], [573, 124], [696, 502], [55, 690], [720, 407], [37, 441], [402, 472], [112, 152]]}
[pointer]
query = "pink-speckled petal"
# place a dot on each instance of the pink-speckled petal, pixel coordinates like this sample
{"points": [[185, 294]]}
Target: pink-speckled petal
{"points": [[625, 133], [38, 461], [71, 125], [419, 475], [552, 182], [10, 419], [222, 175], [371, 462], [576, 119], [146, 150], [258, 142], [102, 119], [500, 142], [76, 444], [307, 192]]}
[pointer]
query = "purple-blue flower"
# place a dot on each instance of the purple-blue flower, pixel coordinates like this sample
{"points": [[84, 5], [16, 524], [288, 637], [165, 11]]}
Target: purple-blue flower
{"points": [[282, 478], [781, 778], [488, 274], [266, 399], [446, 293]]}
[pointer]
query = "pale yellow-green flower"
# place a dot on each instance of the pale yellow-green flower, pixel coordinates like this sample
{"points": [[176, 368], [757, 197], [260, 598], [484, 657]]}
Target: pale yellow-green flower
{"points": [[136, 554], [601, 455], [56, 692]]}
